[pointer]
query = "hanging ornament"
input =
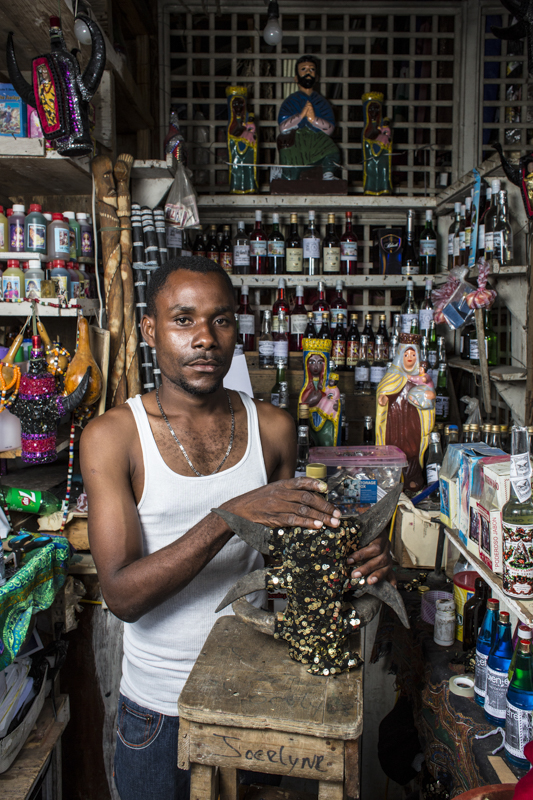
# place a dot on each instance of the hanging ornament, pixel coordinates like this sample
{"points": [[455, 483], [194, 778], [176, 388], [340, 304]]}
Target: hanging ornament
{"points": [[522, 10], [77, 369]]}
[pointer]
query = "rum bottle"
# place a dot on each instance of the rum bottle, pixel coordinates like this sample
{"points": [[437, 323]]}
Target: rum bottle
{"points": [[331, 249], [265, 344], [491, 219], [462, 236], [211, 250], [199, 245], [280, 378], [485, 639], [442, 400], [339, 304], [293, 249], [453, 238], [311, 248], [246, 321], [225, 252], [503, 234], [324, 332], [362, 369], [352, 344], [497, 672], [258, 247], [370, 338], [378, 368], [338, 349], [302, 452], [517, 522], [481, 228], [298, 321], [435, 458], [241, 251], [275, 249], [519, 708], [368, 431], [310, 331], [468, 228], [427, 258], [320, 305], [382, 331], [349, 244]]}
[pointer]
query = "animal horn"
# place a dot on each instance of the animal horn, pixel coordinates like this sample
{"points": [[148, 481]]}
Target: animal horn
{"points": [[93, 73], [390, 595], [262, 621], [20, 84], [374, 520], [366, 608], [256, 535], [253, 582], [74, 399]]}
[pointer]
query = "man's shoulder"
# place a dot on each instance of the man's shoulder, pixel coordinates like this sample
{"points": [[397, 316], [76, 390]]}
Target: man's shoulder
{"points": [[116, 425], [273, 418]]}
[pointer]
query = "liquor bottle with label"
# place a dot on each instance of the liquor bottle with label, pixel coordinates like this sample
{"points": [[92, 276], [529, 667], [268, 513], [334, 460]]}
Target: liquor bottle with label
{"points": [[339, 304], [246, 321], [362, 369], [409, 259], [199, 245], [281, 338], [383, 332], [409, 308], [503, 234], [425, 315], [310, 331], [491, 342], [303, 415], [349, 244], [517, 521], [442, 400], [497, 672], [466, 332], [491, 219], [302, 452], [338, 349], [311, 247], [433, 359], [441, 350], [280, 304], [352, 344], [474, 612], [481, 227], [468, 228], [368, 431], [370, 338], [298, 321], [241, 251], [239, 344], [393, 349], [378, 368], [266, 343], [211, 250], [275, 249], [453, 238], [284, 395], [258, 247], [293, 249], [434, 462], [324, 332], [462, 237], [280, 378], [225, 253], [331, 249], [320, 305], [397, 326], [485, 639], [519, 708], [427, 258]]}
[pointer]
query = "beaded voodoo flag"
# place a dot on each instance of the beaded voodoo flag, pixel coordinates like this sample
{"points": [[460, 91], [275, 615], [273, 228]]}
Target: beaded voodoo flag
{"points": [[324, 606]]}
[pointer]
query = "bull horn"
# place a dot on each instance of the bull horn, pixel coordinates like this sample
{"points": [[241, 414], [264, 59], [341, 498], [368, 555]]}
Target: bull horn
{"points": [[366, 608], [74, 399], [95, 68], [374, 520], [262, 621], [390, 595], [20, 84], [256, 535], [253, 582]]}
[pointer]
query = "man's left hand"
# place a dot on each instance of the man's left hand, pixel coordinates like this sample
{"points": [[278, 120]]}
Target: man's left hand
{"points": [[374, 562]]}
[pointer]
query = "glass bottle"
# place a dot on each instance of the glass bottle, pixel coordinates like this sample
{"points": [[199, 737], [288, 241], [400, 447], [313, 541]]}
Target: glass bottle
{"points": [[485, 639], [241, 251], [409, 260], [199, 246], [481, 227], [280, 304], [409, 308], [475, 434], [362, 369], [427, 258], [211, 250], [281, 338], [338, 350], [284, 395], [453, 238], [339, 304], [424, 351], [225, 252], [466, 331], [298, 321], [280, 378], [486, 433], [320, 305], [442, 400], [311, 247], [522, 633], [517, 521], [303, 415], [519, 708], [324, 332], [383, 332], [310, 331], [293, 249], [462, 236], [474, 613], [352, 344], [378, 367], [302, 452], [258, 247], [349, 244], [468, 228], [414, 326], [275, 249], [433, 357], [239, 344], [434, 462], [397, 326], [497, 670], [491, 219], [370, 338], [266, 342], [331, 249], [441, 350], [246, 320], [425, 314], [503, 234], [368, 431]]}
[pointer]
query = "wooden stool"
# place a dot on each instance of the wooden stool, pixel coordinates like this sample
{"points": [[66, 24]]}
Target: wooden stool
{"points": [[247, 705]]}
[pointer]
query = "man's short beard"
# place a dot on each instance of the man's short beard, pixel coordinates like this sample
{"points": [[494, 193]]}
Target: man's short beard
{"points": [[195, 391], [307, 81]]}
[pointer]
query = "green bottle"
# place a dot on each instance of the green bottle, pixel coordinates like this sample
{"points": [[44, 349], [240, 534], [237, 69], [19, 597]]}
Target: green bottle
{"points": [[280, 378], [42, 503], [519, 705], [491, 341], [442, 401]]}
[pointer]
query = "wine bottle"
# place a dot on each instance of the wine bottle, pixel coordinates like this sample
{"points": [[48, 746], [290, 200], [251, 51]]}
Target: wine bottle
{"points": [[370, 337], [368, 431], [362, 369], [491, 219], [320, 305], [349, 244], [265, 344], [435, 458], [409, 259], [409, 308], [280, 378], [258, 247], [428, 247], [453, 238], [378, 368], [293, 249], [382, 331], [462, 236], [503, 234], [481, 229], [241, 251], [331, 249], [339, 304], [199, 245], [425, 315], [468, 228], [275, 249], [298, 321], [281, 338], [324, 332], [281, 303], [311, 248], [474, 612], [246, 321], [442, 400]]}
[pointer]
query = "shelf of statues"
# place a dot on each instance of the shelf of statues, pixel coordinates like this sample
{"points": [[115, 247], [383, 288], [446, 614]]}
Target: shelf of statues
{"points": [[504, 372], [360, 281], [50, 308]]}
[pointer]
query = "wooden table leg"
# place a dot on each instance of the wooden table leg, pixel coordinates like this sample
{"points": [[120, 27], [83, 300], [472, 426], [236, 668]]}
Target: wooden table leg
{"points": [[351, 769], [203, 782], [330, 790], [229, 783]]}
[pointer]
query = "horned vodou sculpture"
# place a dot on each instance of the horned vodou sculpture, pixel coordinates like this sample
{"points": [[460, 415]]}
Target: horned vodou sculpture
{"points": [[324, 607], [59, 92]]}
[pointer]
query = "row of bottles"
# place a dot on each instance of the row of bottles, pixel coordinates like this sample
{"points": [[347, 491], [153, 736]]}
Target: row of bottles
{"points": [[55, 236], [64, 280], [495, 236]]}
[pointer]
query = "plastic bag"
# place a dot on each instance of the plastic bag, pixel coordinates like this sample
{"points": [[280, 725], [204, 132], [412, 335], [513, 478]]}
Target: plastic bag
{"points": [[472, 410], [181, 209]]}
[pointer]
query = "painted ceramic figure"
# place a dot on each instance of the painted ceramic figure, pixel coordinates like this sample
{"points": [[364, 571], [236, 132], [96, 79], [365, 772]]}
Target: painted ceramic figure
{"points": [[405, 409], [242, 143], [320, 392], [377, 146], [306, 122]]}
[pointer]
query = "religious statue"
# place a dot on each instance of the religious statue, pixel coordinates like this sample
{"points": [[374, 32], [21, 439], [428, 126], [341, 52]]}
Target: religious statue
{"points": [[321, 393], [405, 409], [377, 146], [306, 122], [242, 143]]}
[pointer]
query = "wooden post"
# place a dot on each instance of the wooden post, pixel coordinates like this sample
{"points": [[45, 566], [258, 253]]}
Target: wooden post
{"points": [[485, 379], [529, 335]]}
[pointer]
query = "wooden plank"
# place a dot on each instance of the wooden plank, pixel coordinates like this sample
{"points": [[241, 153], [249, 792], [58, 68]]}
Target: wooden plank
{"points": [[351, 770], [228, 783], [203, 780], [99, 339], [184, 745], [339, 202], [483, 366], [273, 793], [330, 791], [529, 337], [267, 751], [505, 775]]}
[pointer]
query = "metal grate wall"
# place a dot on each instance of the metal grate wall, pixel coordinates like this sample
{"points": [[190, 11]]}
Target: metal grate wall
{"points": [[413, 57]]}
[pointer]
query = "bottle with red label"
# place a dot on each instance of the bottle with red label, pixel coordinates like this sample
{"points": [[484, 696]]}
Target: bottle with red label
{"points": [[338, 349], [199, 245], [246, 321], [319, 306], [225, 252], [298, 321], [339, 305], [382, 331], [281, 304], [369, 333], [211, 250], [353, 338], [349, 244], [258, 247]]}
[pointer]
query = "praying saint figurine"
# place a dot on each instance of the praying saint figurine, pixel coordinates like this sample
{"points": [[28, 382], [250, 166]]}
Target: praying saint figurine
{"points": [[306, 122], [377, 146]]}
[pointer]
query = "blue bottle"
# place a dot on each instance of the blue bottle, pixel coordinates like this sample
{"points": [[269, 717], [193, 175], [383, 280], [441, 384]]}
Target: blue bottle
{"points": [[485, 639], [518, 720], [497, 672]]}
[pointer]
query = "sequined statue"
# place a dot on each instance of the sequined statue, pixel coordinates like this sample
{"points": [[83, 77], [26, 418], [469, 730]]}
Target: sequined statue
{"points": [[405, 408], [306, 123], [242, 143], [59, 91], [521, 175], [323, 605], [39, 407], [321, 393], [377, 146]]}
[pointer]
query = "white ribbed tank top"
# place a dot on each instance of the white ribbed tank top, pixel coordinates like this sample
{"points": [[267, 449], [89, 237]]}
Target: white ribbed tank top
{"points": [[161, 647]]}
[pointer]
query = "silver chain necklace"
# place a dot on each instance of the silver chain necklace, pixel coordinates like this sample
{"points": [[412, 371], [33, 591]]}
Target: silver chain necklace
{"points": [[181, 447]]}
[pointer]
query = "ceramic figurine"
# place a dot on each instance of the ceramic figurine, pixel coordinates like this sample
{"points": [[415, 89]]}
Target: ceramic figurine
{"points": [[306, 122], [242, 143], [320, 392], [405, 408], [377, 146]]}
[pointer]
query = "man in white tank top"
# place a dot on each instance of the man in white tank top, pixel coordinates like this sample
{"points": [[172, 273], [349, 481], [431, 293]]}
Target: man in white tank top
{"points": [[153, 468]]}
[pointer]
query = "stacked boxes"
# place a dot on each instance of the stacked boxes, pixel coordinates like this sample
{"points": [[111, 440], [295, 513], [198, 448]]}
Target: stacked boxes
{"points": [[486, 506], [12, 112]]}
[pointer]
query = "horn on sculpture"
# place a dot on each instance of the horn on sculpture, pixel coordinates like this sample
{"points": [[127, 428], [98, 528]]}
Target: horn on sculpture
{"points": [[253, 582], [512, 172], [20, 84], [95, 68], [73, 400], [366, 608], [253, 533], [378, 516], [262, 621], [388, 594]]}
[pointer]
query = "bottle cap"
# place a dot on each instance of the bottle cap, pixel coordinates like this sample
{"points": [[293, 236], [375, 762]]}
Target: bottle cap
{"points": [[368, 420], [35, 207], [410, 284], [56, 217], [474, 427], [524, 632], [275, 218], [338, 286], [333, 376], [382, 317], [58, 263], [495, 185], [457, 208], [281, 283], [1, 209], [319, 471], [214, 227], [525, 646], [504, 616], [12, 264], [466, 428], [68, 214], [258, 215], [245, 289], [325, 315], [429, 283], [353, 316], [34, 264], [468, 203], [493, 603], [267, 313], [454, 427], [488, 193], [303, 411], [486, 428], [18, 208], [47, 216], [299, 291], [9, 212], [81, 216], [294, 218], [368, 317], [422, 589], [226, 228], [309, 315], [435, 437], [463, 209], [348, 215], [495, 428], [331, 219], [303, 429], [311, 214], [429, 214], [446, 429]]}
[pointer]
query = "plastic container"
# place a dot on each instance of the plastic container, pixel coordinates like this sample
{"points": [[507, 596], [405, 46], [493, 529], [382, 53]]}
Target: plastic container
{"points": [[86, 236], [61, 278], [16, 229], [13, 281], [33, 277], [35, 230], [9, 431], [75, 234], [428, 607], [4, 232], [444, 631], [463, 590], [74, 276], [58, 238]]}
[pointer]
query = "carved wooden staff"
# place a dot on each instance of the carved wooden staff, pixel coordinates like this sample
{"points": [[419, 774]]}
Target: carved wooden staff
{"points": [[122, 175], [106, 196]]}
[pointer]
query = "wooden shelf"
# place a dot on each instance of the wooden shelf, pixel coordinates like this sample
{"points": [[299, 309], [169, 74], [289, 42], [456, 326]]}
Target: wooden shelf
{"points": [[27, 255], [360, 202], [23, 309], [522, 608], [357, 281], [503, 373], [27, 168]]}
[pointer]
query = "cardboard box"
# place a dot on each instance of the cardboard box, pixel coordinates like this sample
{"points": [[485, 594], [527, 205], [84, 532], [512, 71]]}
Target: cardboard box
{"points": [[497, 482], [470, 459], [474, 528], [415, 536], [13, 112]]}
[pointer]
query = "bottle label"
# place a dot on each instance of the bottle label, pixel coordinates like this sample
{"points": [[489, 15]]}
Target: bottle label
{"points": [[72, 240], [338, 352], [241, 255], [370, 349], [60, 286], [258, 247], [298, 324], [174, 236], [281, 349], [266, 349], [352, 353], [432, 472], [468, 236], [497, 244], [362, 374], [62, 241], [16, 236], [213, 257], [428, 247], [518, 730], [246, 324], [407, 320], [37, 237], [489, 242], [480, 679], [33, 288], [425, 318], [481, 237], [495, 699], [462, 240], [226, 261], [239, 349], [317, 319], [518, 553], [11, 287], [294, 259], [474, 350], [376, 374], [274, 398], [444, 630], [442, 406], [348, 251], [410, 269], [276, 247], [87, 243], [456, 246], [432, 359], [311, 248], [335, 315], [331, 259], [520, 474], [450, 244], [2, 237]]}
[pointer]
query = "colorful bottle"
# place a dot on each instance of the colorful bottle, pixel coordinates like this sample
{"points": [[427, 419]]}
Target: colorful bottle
{"points": [[293, 249], [13, 282], [32, 502], [522, 633], [352, 344], [4, 232], [349, 244], [409, 307], [338, 338], [519, 708], [517, 522], [16, 228], [75, 235], [331, 249], [258, 247], [298, 321], [275, 249], [498, 664], [241, 251], [35, 230], [86, 236], [246, 321], [58, 235]]}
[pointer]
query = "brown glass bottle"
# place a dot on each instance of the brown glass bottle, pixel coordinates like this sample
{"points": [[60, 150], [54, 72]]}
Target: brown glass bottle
{"points": [[352, 344]]}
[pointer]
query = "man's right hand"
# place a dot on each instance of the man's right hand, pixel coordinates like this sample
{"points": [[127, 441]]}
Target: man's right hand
{"points": [[285, 504]]}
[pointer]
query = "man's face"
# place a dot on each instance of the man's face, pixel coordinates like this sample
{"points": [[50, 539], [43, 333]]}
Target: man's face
{"points": [[409, 359], [316, 364], [306, 76], [194, 332]]}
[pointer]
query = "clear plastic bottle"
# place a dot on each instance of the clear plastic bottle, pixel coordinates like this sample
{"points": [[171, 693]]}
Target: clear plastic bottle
{"points": [[35, 230], [58, 238]]}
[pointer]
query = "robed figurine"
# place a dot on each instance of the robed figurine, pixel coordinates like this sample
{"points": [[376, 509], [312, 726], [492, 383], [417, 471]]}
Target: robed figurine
{"points": [[405, 409], [321, 393], [377, 146], [242, 143], [306, 122]]}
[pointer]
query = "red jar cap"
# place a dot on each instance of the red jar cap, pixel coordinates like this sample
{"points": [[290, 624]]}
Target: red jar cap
{"points": [[349, 214], [9, 212], [35, 207], [25, 265], [55, 22], [57, 216], [1, 209], [12, 264], [58, 262]]}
